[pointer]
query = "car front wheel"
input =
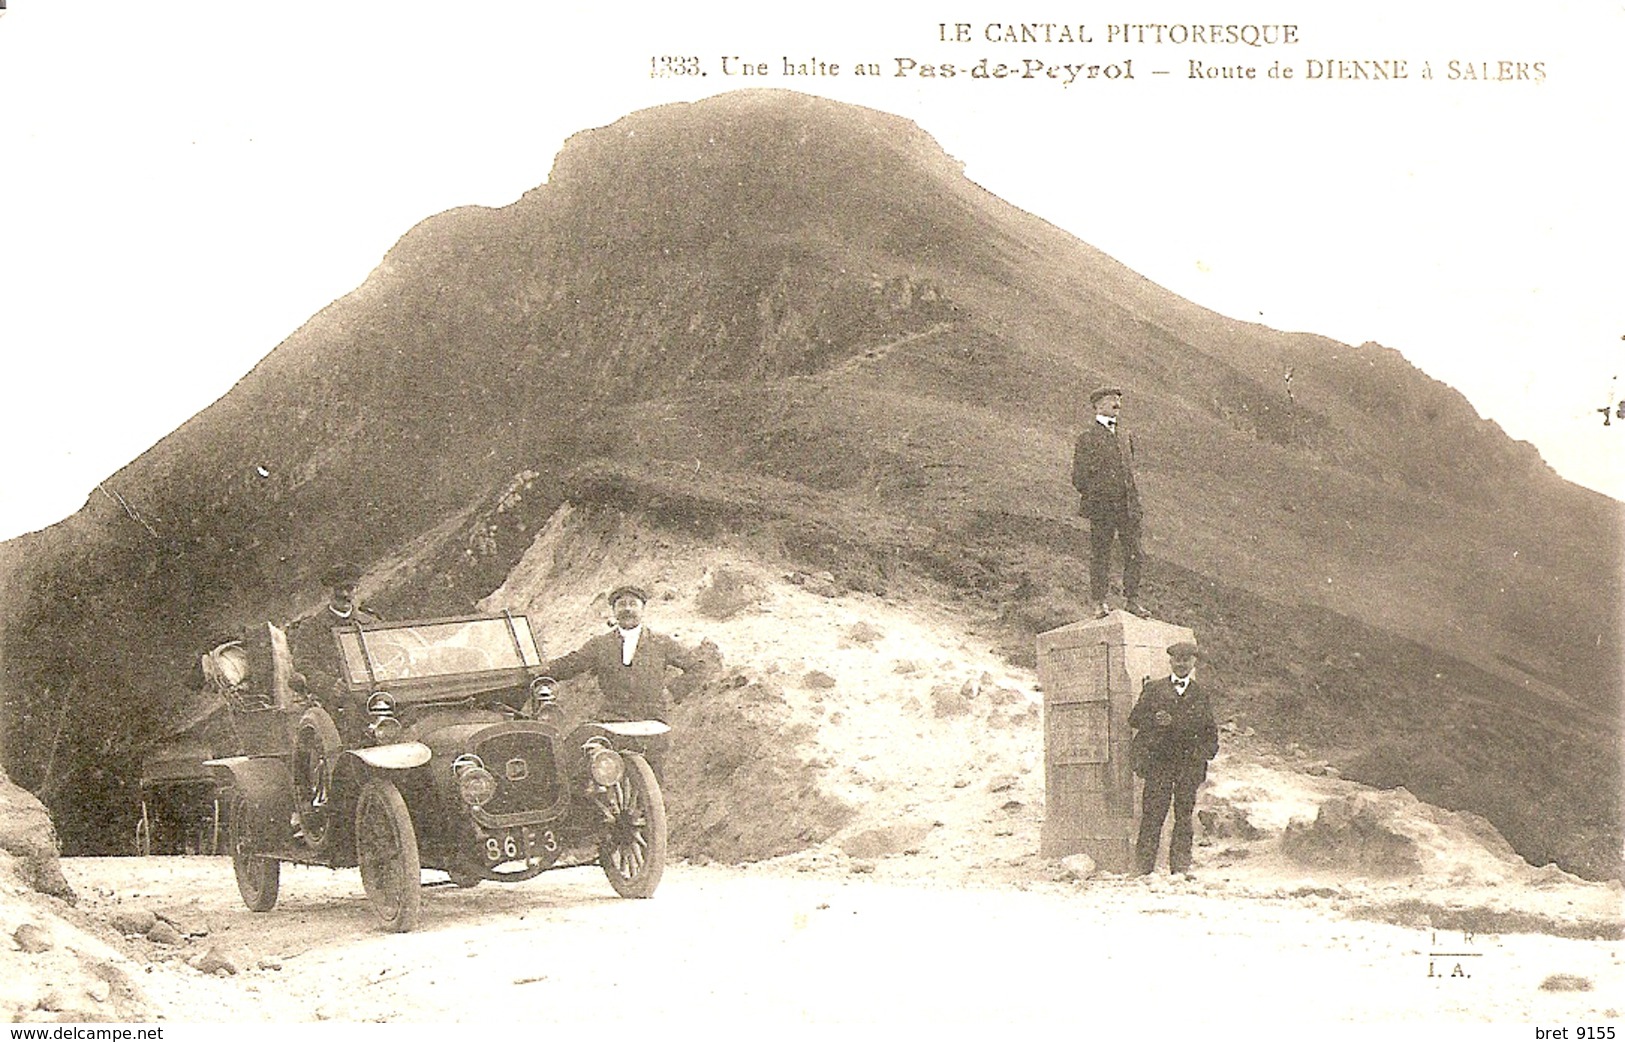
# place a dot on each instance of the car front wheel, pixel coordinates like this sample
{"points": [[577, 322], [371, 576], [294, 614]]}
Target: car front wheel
{"points": [[316, 747], [633, 854], [387, 851], [258, 878]]}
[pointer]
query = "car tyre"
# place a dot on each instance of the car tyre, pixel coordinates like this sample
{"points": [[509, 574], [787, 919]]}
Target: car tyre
{"points": [[387, 852], [258, 878], [633, 854], [315, 750]]}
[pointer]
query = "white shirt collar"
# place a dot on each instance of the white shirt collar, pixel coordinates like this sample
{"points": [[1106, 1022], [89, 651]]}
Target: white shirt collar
{"points": [[629, 643], [1182, 681], [1108, 422]]}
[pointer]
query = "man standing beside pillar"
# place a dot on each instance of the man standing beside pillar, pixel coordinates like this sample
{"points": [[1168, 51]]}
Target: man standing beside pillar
{"points": [[1174, 738]]}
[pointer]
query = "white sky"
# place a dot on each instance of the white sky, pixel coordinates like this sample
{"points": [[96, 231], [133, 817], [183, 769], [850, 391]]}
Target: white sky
{"points": [[182, 184]]}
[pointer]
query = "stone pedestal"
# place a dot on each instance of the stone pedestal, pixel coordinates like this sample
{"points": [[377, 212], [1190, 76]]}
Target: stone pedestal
{"points": [[1091, 674]]}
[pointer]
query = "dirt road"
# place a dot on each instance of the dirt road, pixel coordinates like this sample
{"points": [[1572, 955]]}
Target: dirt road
{"points": [[770, 944]]}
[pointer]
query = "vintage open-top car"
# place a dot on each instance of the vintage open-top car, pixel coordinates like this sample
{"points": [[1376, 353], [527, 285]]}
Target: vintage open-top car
{"points": [[441, 747]]}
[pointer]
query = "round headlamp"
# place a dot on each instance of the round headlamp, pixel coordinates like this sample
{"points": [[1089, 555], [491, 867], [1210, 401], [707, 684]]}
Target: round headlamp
{"points": [[606, 766], [381, 703], [477, 786]]}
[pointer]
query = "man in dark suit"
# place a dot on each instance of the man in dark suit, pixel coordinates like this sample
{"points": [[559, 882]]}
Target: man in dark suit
{"points": [[630, 662], [1103, 474], [1174, 738], [310, 640], [328, 725]]}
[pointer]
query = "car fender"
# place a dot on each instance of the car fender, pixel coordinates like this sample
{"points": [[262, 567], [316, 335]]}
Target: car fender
{"points": [[266, 785], [645, 737], [636, 728], [396, 756]]}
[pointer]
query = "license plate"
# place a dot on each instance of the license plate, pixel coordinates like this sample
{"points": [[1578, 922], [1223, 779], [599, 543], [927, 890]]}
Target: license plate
{"points": [[524, 843]]}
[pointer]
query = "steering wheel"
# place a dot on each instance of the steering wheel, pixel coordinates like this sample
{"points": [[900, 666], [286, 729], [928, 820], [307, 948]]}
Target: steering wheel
{"points": [[390, 661]]}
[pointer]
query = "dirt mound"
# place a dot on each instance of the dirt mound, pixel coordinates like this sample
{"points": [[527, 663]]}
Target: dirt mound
{"points": [[740, 786], [65, 968], [28, 847], [834, 714]]}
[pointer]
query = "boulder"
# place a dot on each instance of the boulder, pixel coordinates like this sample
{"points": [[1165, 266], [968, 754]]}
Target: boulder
{"points": [[32, 938], [1222, 820], [131, 920], [216, 961], [1355, 833], [866, 633], [729, 592], [947, 700], [1078, 866], [165, 934]]}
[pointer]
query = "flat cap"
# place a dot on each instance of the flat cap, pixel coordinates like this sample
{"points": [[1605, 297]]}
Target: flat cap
{"points": [[1184, 649], [341, 574], [1102, 392], [620, 591]]}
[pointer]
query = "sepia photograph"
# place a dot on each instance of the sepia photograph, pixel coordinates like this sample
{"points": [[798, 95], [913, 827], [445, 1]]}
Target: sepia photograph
{"points": [[853, 518]]}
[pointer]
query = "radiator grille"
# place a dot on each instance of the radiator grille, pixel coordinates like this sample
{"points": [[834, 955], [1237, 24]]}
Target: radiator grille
{"points": [[524, 767]]}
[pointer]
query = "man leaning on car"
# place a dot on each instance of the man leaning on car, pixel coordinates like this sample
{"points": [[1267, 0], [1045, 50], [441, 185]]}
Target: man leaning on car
{"points": [[630, 662]]}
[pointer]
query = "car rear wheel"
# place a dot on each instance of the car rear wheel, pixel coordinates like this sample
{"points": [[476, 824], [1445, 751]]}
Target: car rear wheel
{"points": [[633, 854], [258, 878], [387, 851]]}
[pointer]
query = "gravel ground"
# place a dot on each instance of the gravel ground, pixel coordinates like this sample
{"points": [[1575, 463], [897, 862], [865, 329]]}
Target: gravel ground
{"points": [[781, 943]]}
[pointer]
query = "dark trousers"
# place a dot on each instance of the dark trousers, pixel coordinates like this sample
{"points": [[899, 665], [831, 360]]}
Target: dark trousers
{"points": [[1102, 530], [1165, 785]]}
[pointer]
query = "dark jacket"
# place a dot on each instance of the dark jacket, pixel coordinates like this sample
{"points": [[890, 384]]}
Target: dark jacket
{"points": [[315, 653], [1190, 741], [1103, 472], [635, 692]]}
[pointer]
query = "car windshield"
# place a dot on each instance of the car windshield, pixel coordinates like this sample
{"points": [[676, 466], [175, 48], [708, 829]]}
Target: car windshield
{"points": [[438, 649]]}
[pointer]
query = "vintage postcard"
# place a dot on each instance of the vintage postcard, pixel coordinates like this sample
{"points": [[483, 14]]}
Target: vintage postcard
{"points": [[809, 331]]}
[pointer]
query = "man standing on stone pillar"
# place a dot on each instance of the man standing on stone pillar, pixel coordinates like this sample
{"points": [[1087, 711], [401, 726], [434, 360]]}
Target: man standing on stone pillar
{"points": [[1174, 738], [1103, 474]]}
